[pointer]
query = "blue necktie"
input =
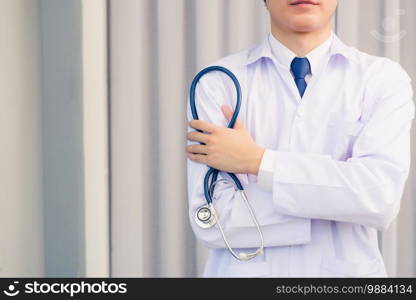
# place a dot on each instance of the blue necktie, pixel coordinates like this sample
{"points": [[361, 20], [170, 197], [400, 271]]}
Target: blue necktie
{"points": [[300, 68]]}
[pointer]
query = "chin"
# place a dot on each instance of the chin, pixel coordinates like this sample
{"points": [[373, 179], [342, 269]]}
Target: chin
{"points": [[304, 28], [304, 25]]}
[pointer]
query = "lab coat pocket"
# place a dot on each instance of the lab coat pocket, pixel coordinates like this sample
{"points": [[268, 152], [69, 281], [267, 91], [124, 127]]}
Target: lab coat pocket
{"points": [[353, 128], [334, 267], [343, 126], [343, 133]]}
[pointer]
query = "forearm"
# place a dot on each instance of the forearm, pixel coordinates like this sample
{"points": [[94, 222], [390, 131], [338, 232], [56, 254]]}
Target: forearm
{"points": [[361, 190]]}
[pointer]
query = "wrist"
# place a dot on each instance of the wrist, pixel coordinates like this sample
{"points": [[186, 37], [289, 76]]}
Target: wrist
{"points": [[256, 160]]}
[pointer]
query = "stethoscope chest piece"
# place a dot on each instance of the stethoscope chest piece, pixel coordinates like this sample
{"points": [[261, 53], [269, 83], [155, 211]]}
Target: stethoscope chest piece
{"points": [[204, 217]]}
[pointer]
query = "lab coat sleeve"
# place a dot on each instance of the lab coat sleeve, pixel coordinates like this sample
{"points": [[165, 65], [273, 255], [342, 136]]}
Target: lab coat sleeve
{"points": [[212, 91], [365, 189], [266, 170]]}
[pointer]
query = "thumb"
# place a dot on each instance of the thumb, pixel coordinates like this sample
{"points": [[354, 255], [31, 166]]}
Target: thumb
{"points": [[228, 113]]}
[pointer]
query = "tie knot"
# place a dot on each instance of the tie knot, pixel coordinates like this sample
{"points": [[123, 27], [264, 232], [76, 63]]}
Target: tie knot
{"points": [[300, 67]]}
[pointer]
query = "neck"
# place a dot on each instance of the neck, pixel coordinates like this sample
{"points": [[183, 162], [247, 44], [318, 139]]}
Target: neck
{"points": [[301, 43]]}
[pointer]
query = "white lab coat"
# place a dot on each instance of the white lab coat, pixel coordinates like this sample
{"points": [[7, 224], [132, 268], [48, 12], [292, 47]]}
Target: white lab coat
{"points": [[334, 169]]}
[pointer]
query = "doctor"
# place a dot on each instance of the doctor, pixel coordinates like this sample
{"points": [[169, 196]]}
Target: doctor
{"points": [[322, 147]]}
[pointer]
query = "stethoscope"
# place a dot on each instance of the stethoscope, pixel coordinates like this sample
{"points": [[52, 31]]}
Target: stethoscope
{"points": [[206, 215]]}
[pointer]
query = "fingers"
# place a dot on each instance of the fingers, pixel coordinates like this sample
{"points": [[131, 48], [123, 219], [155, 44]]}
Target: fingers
{"points": [[202, 125], [197, 149], [200, 158], [228, 113], [197, 137]]}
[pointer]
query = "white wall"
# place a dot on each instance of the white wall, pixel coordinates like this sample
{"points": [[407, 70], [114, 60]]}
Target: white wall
{"points": [[21, 205], [95, 138]]}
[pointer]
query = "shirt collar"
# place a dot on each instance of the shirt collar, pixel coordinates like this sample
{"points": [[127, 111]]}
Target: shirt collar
{"points": [[281, 53], [264, 49], [318, 55]]}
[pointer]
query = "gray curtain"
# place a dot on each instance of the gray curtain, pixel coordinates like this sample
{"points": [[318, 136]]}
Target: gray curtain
{"points": [[155, 49]]}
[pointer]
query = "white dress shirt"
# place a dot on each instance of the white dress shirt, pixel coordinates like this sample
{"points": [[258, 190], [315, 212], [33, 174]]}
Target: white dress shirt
{"points": [[334, 169], [316, 57]]}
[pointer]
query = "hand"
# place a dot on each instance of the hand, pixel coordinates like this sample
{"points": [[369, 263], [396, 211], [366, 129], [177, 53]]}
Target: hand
{"points": [[226, 149]]}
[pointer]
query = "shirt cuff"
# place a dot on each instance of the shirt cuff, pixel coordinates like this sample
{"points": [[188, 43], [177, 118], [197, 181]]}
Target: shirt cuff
{"points": [[266, 170]]}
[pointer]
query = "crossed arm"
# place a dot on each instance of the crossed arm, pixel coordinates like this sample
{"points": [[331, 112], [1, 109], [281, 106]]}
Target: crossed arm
{"points": [[366, 189]]}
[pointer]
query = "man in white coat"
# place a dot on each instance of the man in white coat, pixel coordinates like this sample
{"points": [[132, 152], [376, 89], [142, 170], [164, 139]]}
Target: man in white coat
{"points": [[322, 147]]}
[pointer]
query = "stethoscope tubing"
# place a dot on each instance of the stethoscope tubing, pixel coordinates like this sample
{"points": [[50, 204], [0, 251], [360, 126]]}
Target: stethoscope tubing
{"points": [[211, 176], [212, 173]]}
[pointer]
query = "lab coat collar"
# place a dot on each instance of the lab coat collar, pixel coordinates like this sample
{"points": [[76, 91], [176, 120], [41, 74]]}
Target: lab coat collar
{"points": [[316, 57], [263, 50]]}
